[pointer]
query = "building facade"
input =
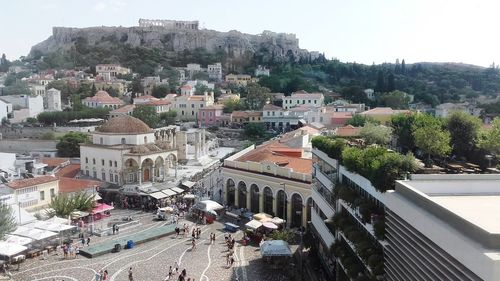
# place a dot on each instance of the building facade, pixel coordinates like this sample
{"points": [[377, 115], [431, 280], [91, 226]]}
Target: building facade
{"points": [[209, 116], [102, 100], [34, 193], [215, 71], [303, 98], [52, 100], [239, 79], [109, 71], [126, 151]]}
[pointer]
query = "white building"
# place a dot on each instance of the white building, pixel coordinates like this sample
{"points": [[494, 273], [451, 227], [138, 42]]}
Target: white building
{"points": [[126, 151], [102, 100], [261, 71], [215, 71], [370, 94], [5, 109], [444, 109], [37, 90], [110, 71], [34, 193], [24, 106], [303, 98], [187, 106], [450, 223], [52, 100]]}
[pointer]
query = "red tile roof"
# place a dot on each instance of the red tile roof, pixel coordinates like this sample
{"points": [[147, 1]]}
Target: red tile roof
{"points": [[54, 162], [279, 154], [146, 97], [17, 184], [271, 107], [104, 97], [348, 131], [69, 185], [69, 171], [158, 102], [124, 109], [186, 87]]}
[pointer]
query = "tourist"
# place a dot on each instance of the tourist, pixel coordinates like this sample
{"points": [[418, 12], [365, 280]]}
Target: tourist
{"points": [[170, 273], [114, 229], [130, 275], [177, 230], [105, 275], [98, 275], [88, 241], [176, 266], [83, 240], [193, 243], [77, 251]]}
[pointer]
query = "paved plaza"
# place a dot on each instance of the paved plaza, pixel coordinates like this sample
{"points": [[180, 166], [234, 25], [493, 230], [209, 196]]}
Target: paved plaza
{"points": [[151, 260]]}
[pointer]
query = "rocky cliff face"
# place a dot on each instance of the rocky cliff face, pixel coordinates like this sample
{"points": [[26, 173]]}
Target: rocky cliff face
{"points": [[235, 44]]}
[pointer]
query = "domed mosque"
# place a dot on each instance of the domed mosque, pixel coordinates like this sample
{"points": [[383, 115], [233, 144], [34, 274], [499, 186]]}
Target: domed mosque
{"points": [[125, 150]]}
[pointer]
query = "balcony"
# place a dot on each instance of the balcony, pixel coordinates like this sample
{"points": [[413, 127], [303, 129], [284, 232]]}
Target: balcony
{"points": [[367, 226], [322, 229], [324, 199], [326, 180]]}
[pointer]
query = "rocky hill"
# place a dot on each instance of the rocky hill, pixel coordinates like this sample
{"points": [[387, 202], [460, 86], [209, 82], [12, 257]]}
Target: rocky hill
{"points": [[238, 48]]}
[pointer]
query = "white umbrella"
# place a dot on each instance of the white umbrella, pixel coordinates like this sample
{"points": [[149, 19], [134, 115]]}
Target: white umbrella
{"points": [[275, 248], [189, 196], [270, 225], [208, 205], [253, 224]]}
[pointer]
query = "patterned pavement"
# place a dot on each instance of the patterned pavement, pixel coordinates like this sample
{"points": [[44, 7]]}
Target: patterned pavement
{"points": [[151, 260]]}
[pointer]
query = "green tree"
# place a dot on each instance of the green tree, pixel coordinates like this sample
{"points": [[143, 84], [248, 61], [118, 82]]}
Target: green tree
{"points": [[432, 140], [63, 205], [390, 83], [168, 117], [376, 134], [490, 138], [7, 223], [257, 96], [402, 127], [200, 89], [233, 105], [395, 100], [354, 94], [136, 86], [160, 91], [359, 120], [464, 129], [255, 130], [148, 115], [69, 144], [380, 87]]}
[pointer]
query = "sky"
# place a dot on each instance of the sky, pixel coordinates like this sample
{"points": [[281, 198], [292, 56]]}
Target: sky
{"points": [[362, 31]]}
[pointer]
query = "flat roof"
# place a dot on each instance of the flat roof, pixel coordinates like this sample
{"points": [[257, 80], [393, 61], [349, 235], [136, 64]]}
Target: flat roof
{"points": [[469, 203]]}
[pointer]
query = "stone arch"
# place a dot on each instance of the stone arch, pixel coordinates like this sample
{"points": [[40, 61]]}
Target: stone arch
{"points": [[268, 200], [254, 198], [242, 194], [297, 203], [281, 210], [147, 168], [159, 164], [230, 192]]}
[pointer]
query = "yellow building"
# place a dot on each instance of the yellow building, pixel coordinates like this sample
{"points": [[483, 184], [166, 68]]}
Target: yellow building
{"points": [[246, 117], [239, 79], [34, 193], [382, 114]]}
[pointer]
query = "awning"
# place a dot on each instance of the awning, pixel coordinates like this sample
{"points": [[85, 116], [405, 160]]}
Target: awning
{"points": [[102, 207], [78, 214], [158, 195], [275, 248], [178, 190], [253, 224], [208, 205], [50, 226], [188, 184], [19, 240], [10, 249], [169, 192], [33, 233], [59, 220], [261, 216]]}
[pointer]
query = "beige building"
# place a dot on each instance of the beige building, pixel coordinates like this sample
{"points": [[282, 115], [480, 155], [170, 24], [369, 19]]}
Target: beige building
{"points": [[34, 193], [187, 106], [102, 100], [127, 151], [239, 79], [274, 178], [109, 71]]}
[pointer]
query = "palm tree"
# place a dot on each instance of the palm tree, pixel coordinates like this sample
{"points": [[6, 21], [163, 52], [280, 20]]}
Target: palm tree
{"points": [[7, 223], [64, 205]]}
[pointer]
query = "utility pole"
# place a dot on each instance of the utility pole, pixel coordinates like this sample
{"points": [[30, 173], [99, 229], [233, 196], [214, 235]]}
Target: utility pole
{"points": [[284, 203]]}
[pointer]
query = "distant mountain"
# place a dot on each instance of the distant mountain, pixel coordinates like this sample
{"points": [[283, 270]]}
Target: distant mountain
{"points": [[174, 43]]}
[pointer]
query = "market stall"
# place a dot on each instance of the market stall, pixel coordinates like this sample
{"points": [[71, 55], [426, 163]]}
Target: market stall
{"points": [[275, 252], [101, 210], [10, 250], [207, 209]]}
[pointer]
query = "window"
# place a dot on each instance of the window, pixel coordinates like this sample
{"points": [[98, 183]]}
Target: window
{"points": [[309, 101], [102, 162], [87, 173], [268, 113], [94, 174], [192, 113], [103, 176], [315, 101], [42, 195], [201, 105], [182, 112], [53, 193], [203, 114], [116, 164], [86, 160], [93, 161], [192, 105], [110, 163], [124, 141], [110, 177], [210, 114], [101, 141], [303, 101], [131, 177], [273, 113], [145, 139], [116, 178]]}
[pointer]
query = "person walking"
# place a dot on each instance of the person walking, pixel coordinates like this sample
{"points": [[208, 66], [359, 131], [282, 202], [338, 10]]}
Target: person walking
{"points": [[105, 275], [98, 275], [170, 273], [193, 243], [88, 241], [176, 266], [177, 230], [130, 275]]}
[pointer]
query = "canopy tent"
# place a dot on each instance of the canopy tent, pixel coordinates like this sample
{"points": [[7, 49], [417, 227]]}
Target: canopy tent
{"points": [[33, 233], [11, 249], [21, 217], [50, 226], [101, 208], [59, 220], [169, 192], [261, 216], [270, 225], [188, 184], [178, 190], [19, 240], [275, 248], [253, 224], [158, 195], [189, 196], [78, 214], [208, 205]]}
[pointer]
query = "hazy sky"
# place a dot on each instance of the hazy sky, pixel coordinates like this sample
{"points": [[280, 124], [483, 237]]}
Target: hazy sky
{"points": [[364, 31]]}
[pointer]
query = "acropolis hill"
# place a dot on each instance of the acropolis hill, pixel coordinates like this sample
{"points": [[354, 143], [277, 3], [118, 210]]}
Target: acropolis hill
{"points": [[175, 36]]}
